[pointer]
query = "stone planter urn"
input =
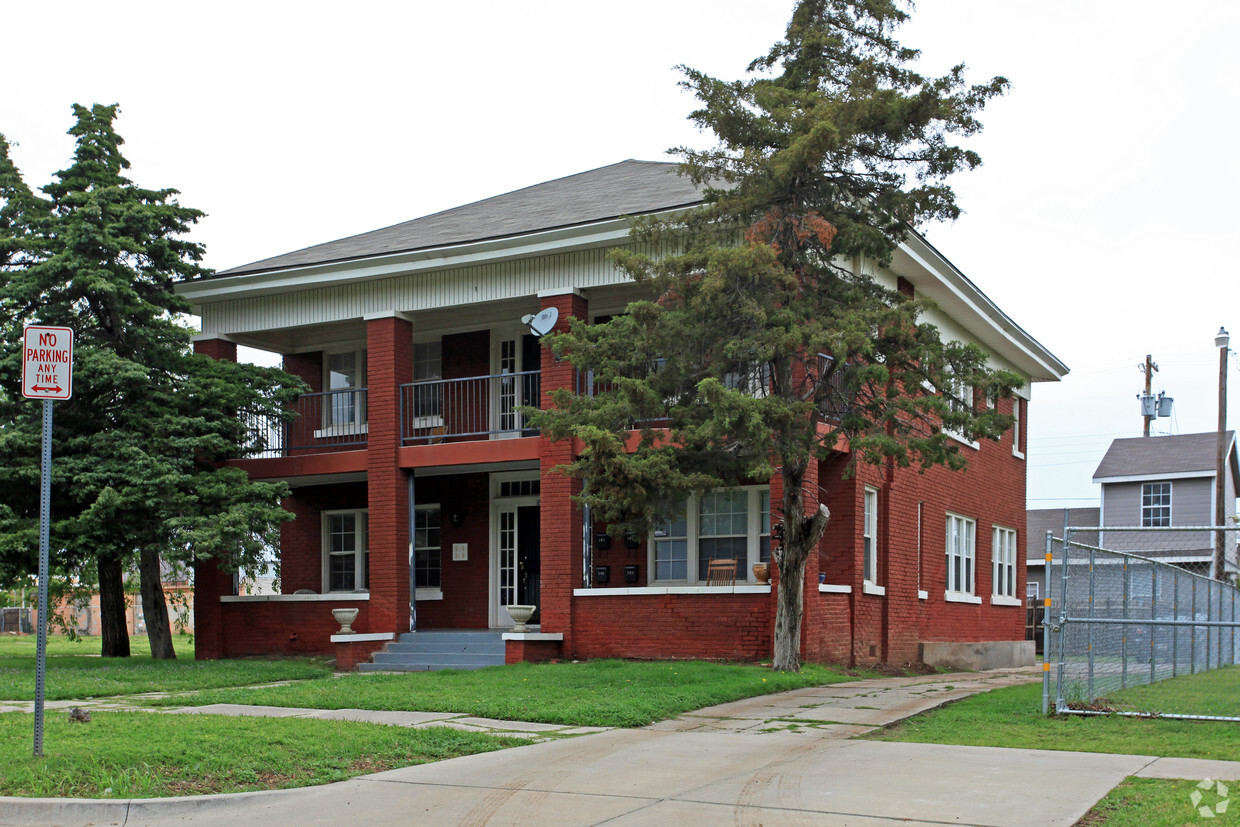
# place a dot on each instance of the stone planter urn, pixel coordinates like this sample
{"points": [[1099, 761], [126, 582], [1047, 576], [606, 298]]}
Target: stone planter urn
{"points": [[345, 618], [520, 614], [762, 573]]}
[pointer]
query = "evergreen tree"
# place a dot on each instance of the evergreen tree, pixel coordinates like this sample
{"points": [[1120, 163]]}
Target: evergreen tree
{"points": [[764, 324], [136, 451]]}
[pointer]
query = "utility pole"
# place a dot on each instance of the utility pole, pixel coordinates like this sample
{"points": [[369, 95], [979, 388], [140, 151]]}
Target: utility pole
{"points": [[1220, 461], [1149, 369]]}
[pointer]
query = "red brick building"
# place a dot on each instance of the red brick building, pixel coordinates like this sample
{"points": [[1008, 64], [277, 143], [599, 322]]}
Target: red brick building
{"points": [[413, 343]]}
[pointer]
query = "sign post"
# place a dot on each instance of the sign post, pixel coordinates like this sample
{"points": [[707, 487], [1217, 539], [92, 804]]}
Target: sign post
{"points": [[47, 374]]}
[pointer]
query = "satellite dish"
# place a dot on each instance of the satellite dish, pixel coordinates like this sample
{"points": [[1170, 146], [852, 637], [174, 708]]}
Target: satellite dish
{"points": [[544, 322]]}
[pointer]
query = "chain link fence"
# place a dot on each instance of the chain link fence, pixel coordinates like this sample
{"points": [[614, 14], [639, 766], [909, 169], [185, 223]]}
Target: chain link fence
{"points": [[1134, 625]]}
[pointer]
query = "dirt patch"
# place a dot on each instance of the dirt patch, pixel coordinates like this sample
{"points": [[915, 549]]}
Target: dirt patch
{"points": [[895, 670]]}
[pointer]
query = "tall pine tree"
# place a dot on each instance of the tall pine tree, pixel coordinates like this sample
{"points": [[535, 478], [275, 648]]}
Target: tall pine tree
{"points": [[137, 450], [765, 322]]}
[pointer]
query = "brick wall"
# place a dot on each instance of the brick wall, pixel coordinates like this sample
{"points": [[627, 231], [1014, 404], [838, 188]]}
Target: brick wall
{"points": [[725, 626], [389, 363], [286, 627], [465, 584]]}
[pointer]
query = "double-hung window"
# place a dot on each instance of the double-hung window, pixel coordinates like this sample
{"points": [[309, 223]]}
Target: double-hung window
{"points": [[1155, 504], [869, 535], [346, 551], [723, 524], [961, 555], [1003, 563], [426, 548], [344, 408]]}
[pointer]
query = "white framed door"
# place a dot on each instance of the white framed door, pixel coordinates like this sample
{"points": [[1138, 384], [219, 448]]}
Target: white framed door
{"points": [[513, 355], [516, 570]]}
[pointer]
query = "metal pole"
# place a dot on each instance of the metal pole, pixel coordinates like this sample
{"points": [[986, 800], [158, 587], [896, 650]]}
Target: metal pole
{"points": [[1123, 638], [1046, 632], [1192, 635], [1175, 631], [411, 503], [1091, 625], [1153, 618], [45, 523], [1220, 459], [1063, 613]]}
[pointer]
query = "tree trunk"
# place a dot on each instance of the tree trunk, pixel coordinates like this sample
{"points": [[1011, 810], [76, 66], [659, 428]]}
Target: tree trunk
{"points": [[112, 624], [154, 607], [801, 536]]}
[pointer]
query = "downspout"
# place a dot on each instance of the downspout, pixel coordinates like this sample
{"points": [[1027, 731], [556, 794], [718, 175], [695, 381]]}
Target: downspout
{"points": [[413, 562]]}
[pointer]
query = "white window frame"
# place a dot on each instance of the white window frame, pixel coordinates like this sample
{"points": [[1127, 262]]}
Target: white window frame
{"points": [[357, 424], [869, 535], [434, 592], [360, 552], [1147, 509], [1017, 450], [1003, 566], [961, 542], [683, 550], [961, 398], [427, 367]]}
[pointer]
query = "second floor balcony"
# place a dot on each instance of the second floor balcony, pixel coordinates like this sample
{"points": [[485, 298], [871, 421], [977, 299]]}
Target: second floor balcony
{"points": [[431, 412]]}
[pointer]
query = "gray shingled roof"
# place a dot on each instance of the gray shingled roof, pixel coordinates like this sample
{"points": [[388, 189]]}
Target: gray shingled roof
{"points": [[1038, 521], [627, 188], [1141, 456]]}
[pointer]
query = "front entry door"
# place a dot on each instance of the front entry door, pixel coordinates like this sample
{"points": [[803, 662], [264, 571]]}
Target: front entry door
{"points": [[518, 564]]}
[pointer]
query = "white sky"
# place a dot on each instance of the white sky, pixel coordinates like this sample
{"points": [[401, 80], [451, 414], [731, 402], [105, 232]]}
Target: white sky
{"points": [[1097, 222]]}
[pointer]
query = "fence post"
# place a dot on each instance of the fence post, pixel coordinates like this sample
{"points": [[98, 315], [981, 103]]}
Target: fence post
{"points": [[1123, 630], [1175, 630], [1091, 624], [1153, 619], [1046, 632], [1192, 635], [1060, 703]]}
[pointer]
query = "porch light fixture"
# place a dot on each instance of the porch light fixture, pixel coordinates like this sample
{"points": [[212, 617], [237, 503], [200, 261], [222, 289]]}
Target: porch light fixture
{"points": [[457, 519]]}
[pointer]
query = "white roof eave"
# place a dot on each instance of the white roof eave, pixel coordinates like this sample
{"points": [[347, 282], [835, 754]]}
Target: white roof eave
{"points": [[963, 301]]}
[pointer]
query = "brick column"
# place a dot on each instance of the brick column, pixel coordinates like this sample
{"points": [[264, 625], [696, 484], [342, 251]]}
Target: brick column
{"points": [[389, 363], [210, 582], [561, 519]]}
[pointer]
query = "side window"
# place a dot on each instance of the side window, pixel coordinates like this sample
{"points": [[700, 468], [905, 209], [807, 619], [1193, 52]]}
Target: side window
{"points": [[426, 547], [1003, 562], [869, 534], [961, 554], [1155, 504], [345, 382], [346, 551]]}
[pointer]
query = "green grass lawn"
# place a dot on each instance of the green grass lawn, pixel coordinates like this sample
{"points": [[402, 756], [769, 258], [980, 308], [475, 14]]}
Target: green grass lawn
{"points": [[148, 755], [76, 672], [1012, 717], [1215, 693], [592, 693], [1155, 802]]}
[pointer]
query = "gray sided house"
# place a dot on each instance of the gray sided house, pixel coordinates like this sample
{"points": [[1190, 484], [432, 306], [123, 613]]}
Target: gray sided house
{"points": [[1162, 482], [1038, 521]]}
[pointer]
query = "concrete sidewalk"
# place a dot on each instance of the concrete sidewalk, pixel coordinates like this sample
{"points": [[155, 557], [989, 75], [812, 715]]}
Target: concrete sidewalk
{"points": [[779, 759]]}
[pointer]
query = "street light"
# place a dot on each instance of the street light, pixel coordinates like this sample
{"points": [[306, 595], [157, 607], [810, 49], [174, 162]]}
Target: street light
{"points": [[1220, 460]]}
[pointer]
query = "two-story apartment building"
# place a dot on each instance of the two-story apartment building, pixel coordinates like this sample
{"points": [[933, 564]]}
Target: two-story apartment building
{"points": [[423, 500]]}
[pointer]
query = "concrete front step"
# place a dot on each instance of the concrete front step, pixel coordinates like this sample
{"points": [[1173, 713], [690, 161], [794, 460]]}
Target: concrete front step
{"points": [[429, 651]]}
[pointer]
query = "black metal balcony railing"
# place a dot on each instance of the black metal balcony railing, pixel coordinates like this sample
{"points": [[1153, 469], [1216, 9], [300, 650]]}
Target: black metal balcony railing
{"points": [[333, 419], [439, 410]]}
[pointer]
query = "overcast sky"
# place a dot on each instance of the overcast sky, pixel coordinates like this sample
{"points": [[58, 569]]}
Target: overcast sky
{"points": [[1098, 222]]}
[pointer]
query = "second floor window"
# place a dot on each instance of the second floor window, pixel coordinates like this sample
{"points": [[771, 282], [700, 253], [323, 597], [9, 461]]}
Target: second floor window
{"points": [[1155, 504], [427, 367], [345, 378]]}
